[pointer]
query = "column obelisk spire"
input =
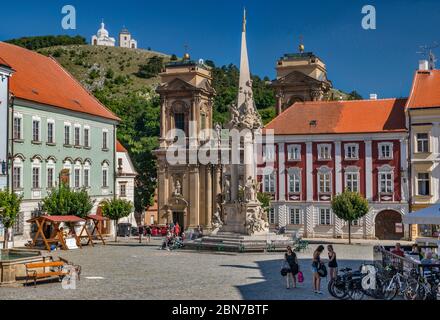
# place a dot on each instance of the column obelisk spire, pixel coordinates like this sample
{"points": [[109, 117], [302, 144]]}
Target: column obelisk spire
{"points": [[245, 83]]}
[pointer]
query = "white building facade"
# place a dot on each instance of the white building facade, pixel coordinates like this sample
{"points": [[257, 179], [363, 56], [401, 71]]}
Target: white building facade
{"points": [[102, 38], [126, 40], [125, 180]]}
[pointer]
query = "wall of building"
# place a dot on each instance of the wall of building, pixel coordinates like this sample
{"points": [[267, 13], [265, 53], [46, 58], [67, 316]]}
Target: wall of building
{"points": [[310, 201], [29, 154]]}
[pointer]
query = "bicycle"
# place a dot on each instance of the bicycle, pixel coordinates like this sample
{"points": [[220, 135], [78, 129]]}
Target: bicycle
{"points": [[395, 285]]}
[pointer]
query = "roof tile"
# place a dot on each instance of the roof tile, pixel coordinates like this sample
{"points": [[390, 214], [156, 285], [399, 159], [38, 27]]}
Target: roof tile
{"points": [[425, 92], [41, 79], [341, 117]]}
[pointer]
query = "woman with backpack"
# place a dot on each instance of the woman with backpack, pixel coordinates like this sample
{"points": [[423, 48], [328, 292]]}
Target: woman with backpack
{"points": [[292, 261], [317, 267]]}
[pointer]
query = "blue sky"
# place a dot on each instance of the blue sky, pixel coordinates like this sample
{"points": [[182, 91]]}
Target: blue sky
{"points": [[378, 61]]}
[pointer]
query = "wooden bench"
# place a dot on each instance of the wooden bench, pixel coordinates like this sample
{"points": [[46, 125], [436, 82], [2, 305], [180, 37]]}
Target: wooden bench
{"points": [[33, 273]]}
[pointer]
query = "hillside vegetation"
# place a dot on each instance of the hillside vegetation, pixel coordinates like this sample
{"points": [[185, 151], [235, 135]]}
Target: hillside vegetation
{"points": [[116, 70], [35, 43]]}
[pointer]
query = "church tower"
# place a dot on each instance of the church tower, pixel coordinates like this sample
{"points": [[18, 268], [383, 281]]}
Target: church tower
{"points": [[187, 190], [301, 77], [126, 40]]}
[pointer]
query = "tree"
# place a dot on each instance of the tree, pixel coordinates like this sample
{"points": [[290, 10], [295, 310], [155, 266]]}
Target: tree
{"points": [[64, 201], [153, 67], [9, 210], [354, 95], [35, 43], [350, 206], [116, 209]]}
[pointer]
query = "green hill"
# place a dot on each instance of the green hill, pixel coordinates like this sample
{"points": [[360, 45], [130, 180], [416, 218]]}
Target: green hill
{"points": [[114, 69]]}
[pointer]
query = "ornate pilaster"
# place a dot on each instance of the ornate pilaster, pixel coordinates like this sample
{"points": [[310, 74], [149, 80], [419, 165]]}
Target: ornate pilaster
{"points": [[208, 202]]}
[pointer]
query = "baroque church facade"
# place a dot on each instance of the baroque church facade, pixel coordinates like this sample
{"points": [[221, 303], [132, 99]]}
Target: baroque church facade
{"points": [[187, 191]]}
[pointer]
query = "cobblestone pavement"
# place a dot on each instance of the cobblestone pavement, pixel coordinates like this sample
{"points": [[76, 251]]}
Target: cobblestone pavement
{"points": [[128, 270]]}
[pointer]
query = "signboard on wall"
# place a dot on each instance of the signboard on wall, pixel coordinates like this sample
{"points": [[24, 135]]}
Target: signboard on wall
{"points": [[399, 227]]}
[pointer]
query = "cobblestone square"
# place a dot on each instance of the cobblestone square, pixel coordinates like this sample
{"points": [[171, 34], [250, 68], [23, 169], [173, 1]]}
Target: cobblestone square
{"points": [[128, 270]]}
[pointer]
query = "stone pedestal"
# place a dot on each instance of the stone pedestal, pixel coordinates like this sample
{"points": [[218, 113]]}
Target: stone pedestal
{"points": [[236, 218]]}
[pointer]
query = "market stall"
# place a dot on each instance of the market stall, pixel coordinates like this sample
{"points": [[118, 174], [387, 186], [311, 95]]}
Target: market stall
{"points": [[427, 221], [96, 221], [50, 231]]}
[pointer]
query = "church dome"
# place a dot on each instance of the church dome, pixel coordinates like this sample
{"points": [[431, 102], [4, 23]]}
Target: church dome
{"points": [[102, 32]]}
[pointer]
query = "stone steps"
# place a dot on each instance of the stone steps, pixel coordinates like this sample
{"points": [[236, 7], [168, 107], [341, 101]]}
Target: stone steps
{"points": [[240, 243]]}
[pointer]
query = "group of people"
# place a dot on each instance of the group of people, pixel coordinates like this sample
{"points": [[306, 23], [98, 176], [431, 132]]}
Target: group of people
{"points": [[173, 230], [425, 258], [318, 267]]}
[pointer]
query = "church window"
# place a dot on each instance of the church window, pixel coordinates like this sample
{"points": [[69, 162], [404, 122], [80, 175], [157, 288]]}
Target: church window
{"points": [[179, 121]]}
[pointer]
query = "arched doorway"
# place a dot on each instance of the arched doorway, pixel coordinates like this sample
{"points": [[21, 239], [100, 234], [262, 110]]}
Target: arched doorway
{"points": [[388, 225]]}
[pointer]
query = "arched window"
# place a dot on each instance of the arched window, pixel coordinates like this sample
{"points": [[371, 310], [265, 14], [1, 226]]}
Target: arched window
{"points": [[36, 173], [66, 177], [50, 173], [105, 174], [17, 173], [86, 174], [77, 175]]}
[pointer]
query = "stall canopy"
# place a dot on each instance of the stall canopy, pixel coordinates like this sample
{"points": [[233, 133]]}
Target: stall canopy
{"points": [[56, 235], [430, 215]]}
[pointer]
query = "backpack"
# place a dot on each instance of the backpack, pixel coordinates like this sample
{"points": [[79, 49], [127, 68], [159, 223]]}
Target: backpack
{"points": [[300, 277], [285, 269], [322, 270]]}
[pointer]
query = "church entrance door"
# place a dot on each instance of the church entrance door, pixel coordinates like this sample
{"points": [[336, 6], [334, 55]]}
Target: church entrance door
{"points": [[178, 216]]}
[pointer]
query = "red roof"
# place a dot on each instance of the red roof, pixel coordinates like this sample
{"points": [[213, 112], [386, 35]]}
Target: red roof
{"points": [[3, 63], [97, 217], [339, 117], [120, 147], [41, 79], [425, 92]]}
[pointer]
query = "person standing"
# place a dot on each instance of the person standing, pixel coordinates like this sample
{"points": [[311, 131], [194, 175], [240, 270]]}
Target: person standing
{"points": [[141, 232], [316, 265], [148, 233], [177, 229], [332, 262], [292, 261]]}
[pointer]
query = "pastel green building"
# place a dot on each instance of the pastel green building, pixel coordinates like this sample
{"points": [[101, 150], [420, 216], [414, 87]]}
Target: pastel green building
{"points": [[55, 126]]}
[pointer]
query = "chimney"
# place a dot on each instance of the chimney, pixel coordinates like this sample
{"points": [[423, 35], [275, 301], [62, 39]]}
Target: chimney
{"points": [[423, 65], [373, 96]]}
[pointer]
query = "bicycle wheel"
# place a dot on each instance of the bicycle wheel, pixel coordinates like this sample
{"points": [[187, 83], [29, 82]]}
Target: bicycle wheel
{"points": [[389, 290], [415, 291], [356, 294], [355, 291], [337, 289]]}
